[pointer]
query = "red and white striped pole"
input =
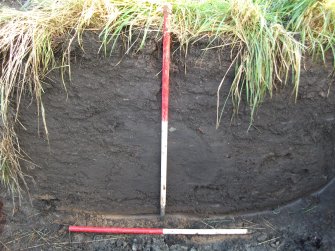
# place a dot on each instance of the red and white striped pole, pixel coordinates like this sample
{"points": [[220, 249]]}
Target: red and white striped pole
{"points": [[156, 231], [165, 104]]}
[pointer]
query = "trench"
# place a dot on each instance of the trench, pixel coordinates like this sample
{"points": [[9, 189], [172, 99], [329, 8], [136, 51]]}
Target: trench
{"points": [[104, 150]]}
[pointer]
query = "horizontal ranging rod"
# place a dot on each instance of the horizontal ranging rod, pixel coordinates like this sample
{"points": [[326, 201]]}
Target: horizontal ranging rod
{"points": [[156, 231]]}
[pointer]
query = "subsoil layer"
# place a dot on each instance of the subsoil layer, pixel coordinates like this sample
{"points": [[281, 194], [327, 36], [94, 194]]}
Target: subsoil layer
{"points": [[104, 150]]}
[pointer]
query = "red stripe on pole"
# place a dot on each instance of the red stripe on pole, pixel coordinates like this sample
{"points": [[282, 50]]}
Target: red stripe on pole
{"points": [[166, 63], [115, 230]]}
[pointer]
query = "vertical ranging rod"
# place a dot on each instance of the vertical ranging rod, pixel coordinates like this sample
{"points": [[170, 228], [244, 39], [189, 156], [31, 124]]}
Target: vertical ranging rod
{"points": [[165, 104]]}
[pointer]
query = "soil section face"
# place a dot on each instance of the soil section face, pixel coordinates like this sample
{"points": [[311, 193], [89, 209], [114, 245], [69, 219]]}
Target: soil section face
{"points": [[104, 152], [2, 217]]}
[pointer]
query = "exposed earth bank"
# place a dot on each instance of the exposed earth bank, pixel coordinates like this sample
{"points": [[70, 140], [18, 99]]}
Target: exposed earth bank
{"points": [[104, 152], [110, 126]]}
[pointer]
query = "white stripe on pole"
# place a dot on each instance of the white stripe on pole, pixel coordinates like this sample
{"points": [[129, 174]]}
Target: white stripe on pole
{"points": [[205, 231], [164, 165]]}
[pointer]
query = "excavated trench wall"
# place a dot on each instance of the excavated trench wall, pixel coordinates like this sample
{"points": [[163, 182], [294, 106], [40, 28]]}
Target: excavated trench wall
{"points": [[104, 152]]}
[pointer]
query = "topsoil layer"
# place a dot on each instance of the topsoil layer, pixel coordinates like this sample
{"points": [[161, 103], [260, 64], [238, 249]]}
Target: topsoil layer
{"points": [[104, 152]]}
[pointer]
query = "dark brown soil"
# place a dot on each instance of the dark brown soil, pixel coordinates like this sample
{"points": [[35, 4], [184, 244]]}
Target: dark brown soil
{"points": [[104, 152], [306, 225], [2, 217]]}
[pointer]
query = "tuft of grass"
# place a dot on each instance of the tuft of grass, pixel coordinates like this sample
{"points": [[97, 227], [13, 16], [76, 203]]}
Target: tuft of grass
{"points": [[11, 175], [313, 21], [267, 53], [267, 39]]}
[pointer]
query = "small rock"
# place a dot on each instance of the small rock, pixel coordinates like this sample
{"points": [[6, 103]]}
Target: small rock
{"points": [[275, 243], [172, 129], [134, 247], [323, 94]]}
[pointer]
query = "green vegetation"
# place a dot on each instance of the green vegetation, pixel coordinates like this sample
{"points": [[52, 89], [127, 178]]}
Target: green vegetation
{"points": [[268, 39]]}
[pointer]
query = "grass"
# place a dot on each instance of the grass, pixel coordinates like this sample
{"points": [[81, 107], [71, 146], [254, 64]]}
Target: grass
{"points": [[268, 39], [313, 21]]}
